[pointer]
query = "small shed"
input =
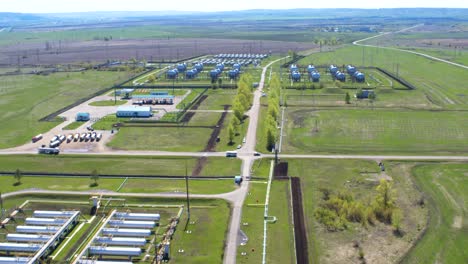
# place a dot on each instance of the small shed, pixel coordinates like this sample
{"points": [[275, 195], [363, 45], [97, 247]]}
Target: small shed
{"points": [[134, 111], [82, 117], [238, 179]]}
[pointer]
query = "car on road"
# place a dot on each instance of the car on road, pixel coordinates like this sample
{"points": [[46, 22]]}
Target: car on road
{"points": [[243, 140], [90, 128], [239, 146], [257, 153]]}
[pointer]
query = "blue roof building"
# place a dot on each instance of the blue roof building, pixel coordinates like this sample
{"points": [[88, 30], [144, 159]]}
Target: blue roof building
{"points": [[82, 117]]}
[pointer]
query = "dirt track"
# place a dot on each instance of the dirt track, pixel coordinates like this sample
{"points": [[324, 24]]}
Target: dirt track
{"points": [[300, 231], [67, 51]]}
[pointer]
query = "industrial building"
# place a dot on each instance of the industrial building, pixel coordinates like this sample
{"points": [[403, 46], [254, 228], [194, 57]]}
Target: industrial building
{"points": [[134, 111], [153, 99], [82, 117]]}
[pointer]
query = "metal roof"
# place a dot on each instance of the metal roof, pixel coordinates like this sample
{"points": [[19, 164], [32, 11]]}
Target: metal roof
{"points": [[134, 109]]}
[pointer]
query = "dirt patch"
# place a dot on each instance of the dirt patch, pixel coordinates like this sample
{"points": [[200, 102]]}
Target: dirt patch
{"points": [[300, 232], [188, 116], [281, 171], [457, 222]]}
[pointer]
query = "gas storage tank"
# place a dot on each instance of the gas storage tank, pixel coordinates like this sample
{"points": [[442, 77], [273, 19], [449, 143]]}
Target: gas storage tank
{"points": [[296, 76], [359, 76], [121, 241], [172, 74], [132, 224], [64, 214], [115, 251], [138, 216], [293, 68], [333, 69], [37, 229], [340, 76], [181, 67], [13, 260], [199, 67], [126, 232], [350, 69], [191, 74], [220, 66], [315, 76], [19, 247], [215, 73], [233, 74], [27, 238], [236, 66], [45, 221], [311, 68]]}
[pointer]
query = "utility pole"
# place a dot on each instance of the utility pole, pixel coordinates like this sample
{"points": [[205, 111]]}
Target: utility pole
{"points": [[187, 191]]}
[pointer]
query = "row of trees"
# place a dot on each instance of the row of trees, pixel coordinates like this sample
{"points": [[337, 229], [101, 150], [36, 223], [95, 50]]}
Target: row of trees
{"points": [[241, 103], [338, 209], [271, 120]]}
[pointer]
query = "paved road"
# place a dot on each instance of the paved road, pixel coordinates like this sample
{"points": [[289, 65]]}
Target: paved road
{"points": [[368, 157], [357, 43]]}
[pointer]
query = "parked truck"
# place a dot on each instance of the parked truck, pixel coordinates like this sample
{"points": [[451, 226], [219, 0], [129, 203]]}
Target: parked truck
{"points": [[45, 150]]}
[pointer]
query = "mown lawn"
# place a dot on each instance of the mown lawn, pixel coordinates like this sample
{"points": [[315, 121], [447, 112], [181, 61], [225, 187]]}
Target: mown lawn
{"points": [[376, 131]]}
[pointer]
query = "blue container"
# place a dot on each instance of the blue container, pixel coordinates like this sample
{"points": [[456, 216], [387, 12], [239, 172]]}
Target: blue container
{"points": [[310, 68], [340, 76], [315, 76], [296, 76], [333, 69]]}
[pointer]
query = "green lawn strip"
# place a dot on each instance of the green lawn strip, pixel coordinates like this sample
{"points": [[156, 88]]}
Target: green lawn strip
{"points": [[223, 144], [205, 243], [118, 165], [205, 119], [72, 242], [189, 98], [280, 245], [217, 99], [375, 131], [107, 122], [445, 240], [109, 102], [73, 126], [28, 98], [261, 168], [161, 138], [178, 186], [359, 178], [252, 215], [261, 131]]}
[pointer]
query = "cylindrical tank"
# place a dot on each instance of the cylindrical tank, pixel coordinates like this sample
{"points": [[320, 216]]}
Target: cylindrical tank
{"points": [[121, 241], [19, 247], [350, 69], [214, 73], [191, 74], [233, 73], [333, 69], [340, 76], [37, 229], [27, 238], [199, 67], [359, 76], [236, 66], [296, 76], [310, 68], [45, 221], [220, 66], [172, 74], [181, 67], [132, 224], [138, 216], [13, 260], [293, 68], [64, 214], [115, 251], [127, 232], [315, 76]]}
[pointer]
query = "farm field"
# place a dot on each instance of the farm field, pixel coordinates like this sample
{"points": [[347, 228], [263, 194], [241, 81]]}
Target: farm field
{"points": [[442, 84], [445, 240], [118, 165], [217, 99], [28, 98], [375, 131], [359, 179]]}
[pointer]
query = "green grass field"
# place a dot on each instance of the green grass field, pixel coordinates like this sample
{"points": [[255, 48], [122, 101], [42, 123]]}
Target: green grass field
{"points": [[217, 99], [73, 126], [110, 102], [377, 131], [360, 178], [445, 186], [119, 165], [27, 98]]}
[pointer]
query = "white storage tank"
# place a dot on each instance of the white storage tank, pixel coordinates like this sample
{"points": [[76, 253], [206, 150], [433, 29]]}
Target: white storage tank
{"points": [[13, 260], [138, 216], [18, 247], [121, 241], [126, 232], [27, 238], [115, 251], [62, 214], [45, 221], [132, 224], [37, 229]]}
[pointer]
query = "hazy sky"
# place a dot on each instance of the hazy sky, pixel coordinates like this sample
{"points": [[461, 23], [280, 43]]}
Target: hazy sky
{"points": [[57, 6]]}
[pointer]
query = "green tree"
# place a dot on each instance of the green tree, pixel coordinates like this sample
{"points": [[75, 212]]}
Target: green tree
{"points": [[18, 175], [238, 109], [231, 134], [235, 122], [385, 195], [396, 220], [347, 98], [94, 177], [151, 78]]}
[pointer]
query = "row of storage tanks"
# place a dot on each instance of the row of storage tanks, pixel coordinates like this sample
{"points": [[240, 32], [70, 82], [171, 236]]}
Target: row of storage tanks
{"points": [[243, 62], [32, 236], [219, 68], [124, 234], [314, 75], [350, 69], [241, 56], [182, 67]]}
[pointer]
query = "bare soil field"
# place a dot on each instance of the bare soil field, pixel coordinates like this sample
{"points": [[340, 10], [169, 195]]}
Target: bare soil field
{"points": [[62, 52]]}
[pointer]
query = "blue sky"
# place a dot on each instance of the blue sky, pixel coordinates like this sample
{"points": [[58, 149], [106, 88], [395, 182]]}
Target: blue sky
{"points": [[58, 6]]}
